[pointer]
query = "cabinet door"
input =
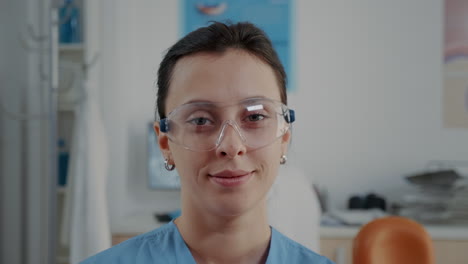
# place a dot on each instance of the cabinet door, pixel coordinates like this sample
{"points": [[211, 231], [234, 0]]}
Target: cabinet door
{"points": [[446, 251], [337, 249], [451, 252]]}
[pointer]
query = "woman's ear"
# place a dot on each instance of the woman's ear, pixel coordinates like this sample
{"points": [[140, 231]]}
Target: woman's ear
{"points": [[163, 140], [285, 139]]}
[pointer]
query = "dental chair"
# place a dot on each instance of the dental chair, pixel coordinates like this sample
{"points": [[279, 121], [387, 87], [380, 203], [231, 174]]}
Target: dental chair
{"points": [[294, 208], [393, 240]]}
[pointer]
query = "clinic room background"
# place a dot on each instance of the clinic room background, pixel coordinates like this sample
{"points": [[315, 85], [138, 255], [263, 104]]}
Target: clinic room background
{"points": [[369, 100]]}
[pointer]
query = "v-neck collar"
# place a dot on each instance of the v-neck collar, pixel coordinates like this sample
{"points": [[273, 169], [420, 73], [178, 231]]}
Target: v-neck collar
{"points": [[183, 253]]}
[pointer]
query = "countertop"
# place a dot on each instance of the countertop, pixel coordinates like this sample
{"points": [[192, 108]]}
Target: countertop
{"points": [[141, 222], [439, 232]]}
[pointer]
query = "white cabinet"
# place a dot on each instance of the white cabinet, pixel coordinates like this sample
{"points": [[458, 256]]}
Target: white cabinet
{"points": [[336, 243], [450, 243]]}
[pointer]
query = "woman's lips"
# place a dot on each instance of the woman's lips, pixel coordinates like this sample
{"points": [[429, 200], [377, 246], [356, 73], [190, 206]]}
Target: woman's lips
{"points": [[231, 178]]}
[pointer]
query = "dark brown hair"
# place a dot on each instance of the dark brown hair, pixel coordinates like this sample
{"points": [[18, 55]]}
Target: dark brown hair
{"points": [[217, 38]]}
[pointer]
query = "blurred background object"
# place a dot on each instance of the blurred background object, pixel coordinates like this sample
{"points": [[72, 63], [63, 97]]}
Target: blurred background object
{"points": [[438, 196]]}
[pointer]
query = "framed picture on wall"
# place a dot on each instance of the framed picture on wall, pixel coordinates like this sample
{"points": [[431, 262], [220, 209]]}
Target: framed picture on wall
{"points": [[455, 86], [275, 17]]}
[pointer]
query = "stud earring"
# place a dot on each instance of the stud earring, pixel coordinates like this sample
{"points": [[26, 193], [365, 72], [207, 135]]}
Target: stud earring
{"points": [[283, 160], [169, 167]]}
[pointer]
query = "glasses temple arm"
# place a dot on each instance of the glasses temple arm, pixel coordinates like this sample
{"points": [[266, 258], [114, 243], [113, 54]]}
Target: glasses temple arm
{"points": [[163, 125]]}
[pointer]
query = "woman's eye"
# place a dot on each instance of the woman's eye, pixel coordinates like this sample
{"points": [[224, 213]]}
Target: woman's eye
{"points": [[200, 121], [255, 117]]}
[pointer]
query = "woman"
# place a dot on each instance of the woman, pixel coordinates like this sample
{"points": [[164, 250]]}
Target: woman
{"points": [[225, 126]]}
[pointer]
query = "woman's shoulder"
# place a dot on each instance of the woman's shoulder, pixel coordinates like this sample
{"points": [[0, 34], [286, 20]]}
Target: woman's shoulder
{"points": [[139, 249], [284, 249]]}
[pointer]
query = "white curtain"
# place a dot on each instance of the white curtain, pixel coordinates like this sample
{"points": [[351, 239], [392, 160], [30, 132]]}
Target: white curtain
{"points": [[90, 231], [86, 226]]}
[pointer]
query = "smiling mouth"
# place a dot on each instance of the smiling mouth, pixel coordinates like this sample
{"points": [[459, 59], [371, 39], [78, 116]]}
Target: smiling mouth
{"points": [[229, 178]]}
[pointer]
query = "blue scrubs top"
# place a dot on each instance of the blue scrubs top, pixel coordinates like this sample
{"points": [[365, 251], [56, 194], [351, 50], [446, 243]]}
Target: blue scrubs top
{"points": [[165, 245]]}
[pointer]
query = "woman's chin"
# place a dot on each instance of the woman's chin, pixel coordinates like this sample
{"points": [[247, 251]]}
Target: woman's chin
{"points": [[236, 206]]}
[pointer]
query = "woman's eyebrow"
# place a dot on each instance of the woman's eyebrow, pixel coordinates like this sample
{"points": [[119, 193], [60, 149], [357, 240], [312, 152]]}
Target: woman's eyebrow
{"points": [[199, 101]]}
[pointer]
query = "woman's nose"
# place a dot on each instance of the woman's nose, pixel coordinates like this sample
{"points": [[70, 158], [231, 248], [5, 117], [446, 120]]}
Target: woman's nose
{"points": [[231, 143]]}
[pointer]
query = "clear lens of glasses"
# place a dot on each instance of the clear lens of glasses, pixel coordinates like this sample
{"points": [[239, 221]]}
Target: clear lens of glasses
{"points": [[201, 126]]}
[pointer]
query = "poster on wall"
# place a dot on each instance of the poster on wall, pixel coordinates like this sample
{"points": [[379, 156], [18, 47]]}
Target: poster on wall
{"points": [[273, 16], [455, 93], [158, 177]]}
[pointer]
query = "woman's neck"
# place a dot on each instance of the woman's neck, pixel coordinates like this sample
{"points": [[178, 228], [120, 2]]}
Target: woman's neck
{"points": [[235, 239]]}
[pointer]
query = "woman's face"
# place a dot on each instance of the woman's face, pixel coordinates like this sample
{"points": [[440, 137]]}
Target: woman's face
{"points": [[231, 179]]}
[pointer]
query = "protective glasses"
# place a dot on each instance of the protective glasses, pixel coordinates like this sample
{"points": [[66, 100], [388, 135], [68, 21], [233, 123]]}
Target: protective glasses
{"points": [[201, 126]]}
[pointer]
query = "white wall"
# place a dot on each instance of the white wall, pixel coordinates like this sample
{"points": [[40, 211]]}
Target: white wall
{"points": [[134, 36], [369, 75], [368, 99]]}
